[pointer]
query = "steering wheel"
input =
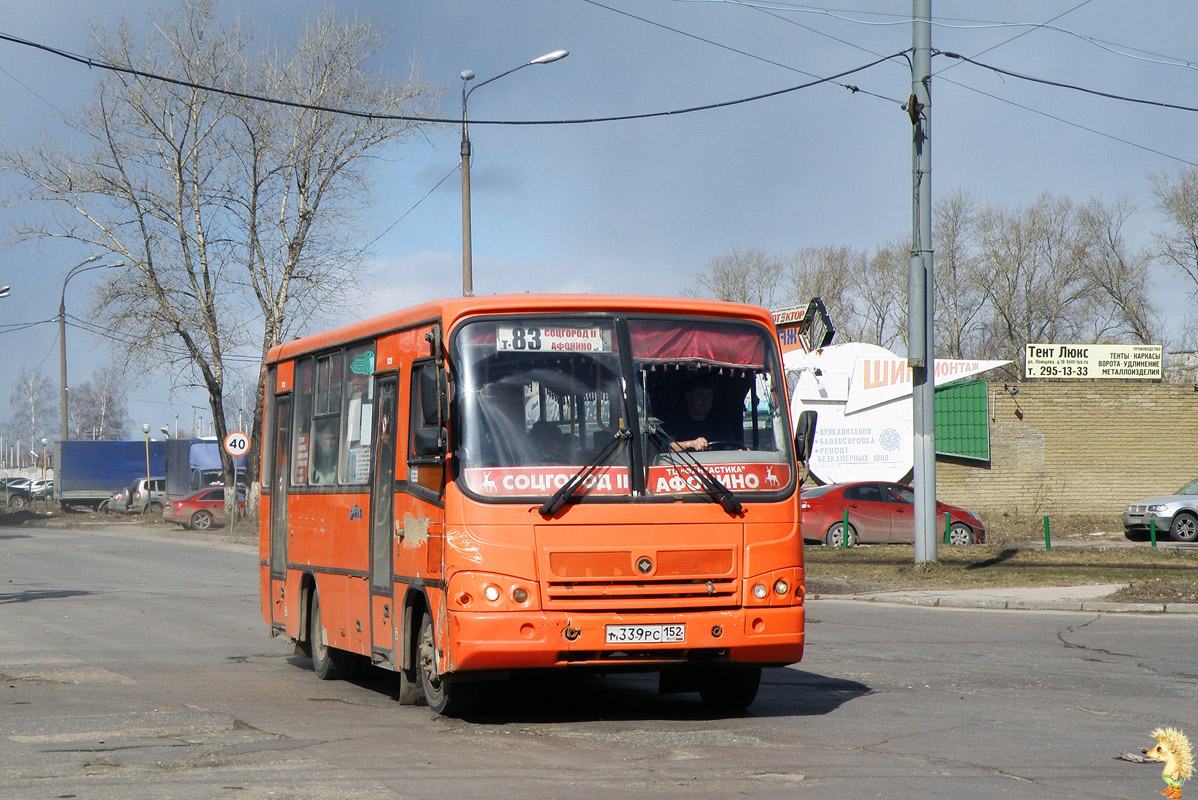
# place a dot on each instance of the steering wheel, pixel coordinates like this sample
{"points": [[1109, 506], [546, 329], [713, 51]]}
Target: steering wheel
{"points": [[725, 444]]}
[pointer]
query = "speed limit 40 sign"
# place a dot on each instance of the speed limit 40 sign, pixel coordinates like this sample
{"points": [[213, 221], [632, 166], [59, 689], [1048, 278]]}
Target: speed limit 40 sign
{"points": [[237, 443]]}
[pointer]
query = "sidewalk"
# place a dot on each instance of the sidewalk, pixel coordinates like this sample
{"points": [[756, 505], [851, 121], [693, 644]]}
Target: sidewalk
{"points": [[1043, 598]]}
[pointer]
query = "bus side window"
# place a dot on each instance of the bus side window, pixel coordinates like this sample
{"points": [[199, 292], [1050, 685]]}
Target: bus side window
{"points": [[301, 445], [356, 415], [324, 441], [427, 437]]}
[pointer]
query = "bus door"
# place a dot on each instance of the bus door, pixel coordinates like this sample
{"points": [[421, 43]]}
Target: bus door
{"points": [[280, 469], [382, 522]]}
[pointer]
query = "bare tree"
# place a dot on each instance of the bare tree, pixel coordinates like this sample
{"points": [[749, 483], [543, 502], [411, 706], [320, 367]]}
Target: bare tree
{"points": [[34, 409], [741, 276], [960, 306], [1034, 275], [1177, 198], [232, 212], [1118, 275], [830, 273], [98, 407], [883, 294]]}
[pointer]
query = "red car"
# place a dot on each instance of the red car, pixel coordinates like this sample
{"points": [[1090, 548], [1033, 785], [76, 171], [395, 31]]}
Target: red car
{"points": [[878, 512], [202, 510]]}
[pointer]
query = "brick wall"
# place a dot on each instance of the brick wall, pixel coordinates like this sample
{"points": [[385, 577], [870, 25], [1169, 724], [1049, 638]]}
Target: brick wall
{"points": [[1081, 450]]}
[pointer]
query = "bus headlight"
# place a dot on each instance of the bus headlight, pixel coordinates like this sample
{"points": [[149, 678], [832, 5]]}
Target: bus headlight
{"points": [[760, 592], [781, 586], [488, 592]]}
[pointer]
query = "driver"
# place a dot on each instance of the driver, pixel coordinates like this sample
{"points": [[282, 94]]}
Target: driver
{"points": [[697, 428]]}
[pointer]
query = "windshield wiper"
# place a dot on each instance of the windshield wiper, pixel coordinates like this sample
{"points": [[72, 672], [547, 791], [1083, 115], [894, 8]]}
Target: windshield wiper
{"points": [[571, 487], [712, 485]]}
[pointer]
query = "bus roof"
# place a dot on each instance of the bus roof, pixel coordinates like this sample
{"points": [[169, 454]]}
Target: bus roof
{"points": [[450, 310]]}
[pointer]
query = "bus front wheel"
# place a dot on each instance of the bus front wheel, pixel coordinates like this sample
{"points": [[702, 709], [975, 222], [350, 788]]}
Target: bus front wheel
{"points": [[444, 696], [328, 663], [729, 689]]}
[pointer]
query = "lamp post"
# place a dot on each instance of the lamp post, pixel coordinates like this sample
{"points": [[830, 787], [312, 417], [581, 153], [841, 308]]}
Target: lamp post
{"points": [[467, 76], [146, 430], [44, 441], [62, 333]]}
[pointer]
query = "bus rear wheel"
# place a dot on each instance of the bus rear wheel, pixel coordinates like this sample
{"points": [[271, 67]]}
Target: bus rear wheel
{"points": [[444, 696], [328, 663], [729, 689]]}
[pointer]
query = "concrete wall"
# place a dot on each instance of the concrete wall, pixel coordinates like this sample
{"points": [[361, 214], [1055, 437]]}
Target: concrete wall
{"points": [[1077, 449]]}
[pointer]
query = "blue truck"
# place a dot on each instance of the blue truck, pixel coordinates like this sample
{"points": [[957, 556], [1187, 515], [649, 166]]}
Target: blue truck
{"points": [[192, 464], [89, 473]]}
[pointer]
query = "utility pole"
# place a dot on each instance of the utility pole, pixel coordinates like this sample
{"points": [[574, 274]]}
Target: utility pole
{"points": [[921, 286]]}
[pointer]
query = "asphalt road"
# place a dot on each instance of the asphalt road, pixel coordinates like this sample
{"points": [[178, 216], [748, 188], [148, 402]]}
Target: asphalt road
{"points": [[136, 665]]}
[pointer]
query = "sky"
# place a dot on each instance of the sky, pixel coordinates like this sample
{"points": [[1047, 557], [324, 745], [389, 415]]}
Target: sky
{"points": [[640, 205]]}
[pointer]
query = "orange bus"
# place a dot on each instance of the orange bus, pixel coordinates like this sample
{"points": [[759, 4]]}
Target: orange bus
{"points": [[480, 485]]}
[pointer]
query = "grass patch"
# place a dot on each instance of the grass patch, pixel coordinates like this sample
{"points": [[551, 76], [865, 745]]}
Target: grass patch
{"points": [[1152, 575]]}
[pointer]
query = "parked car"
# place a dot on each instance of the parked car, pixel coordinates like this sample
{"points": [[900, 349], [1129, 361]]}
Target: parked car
{"points": [[16, 490], [878, 512], [203, 510], [1176, 513], [116, 504], [146, 496], [41, 488]]}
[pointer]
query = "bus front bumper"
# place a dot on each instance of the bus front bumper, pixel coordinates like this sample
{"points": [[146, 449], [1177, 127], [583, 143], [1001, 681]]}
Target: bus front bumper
{"points": [[538, 640]]}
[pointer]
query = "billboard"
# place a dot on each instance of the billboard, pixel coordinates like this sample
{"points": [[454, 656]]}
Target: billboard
{"points": [[1084, 361], [862, 394]]}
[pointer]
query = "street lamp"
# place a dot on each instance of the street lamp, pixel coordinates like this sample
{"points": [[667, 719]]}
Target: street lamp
{"points": [[44, 441], [467, 76], [62, 333], [146, 430]]}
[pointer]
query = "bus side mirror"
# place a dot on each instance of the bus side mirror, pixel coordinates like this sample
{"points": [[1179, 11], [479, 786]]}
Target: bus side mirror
{"points": [[805, 436], [426, 442]]}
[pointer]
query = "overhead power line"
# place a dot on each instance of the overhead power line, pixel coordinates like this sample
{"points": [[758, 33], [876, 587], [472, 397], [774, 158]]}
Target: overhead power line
{"points": [[1072, 124], [13, 327], [893, 19], [96, 64], [736, 50], [1070, 86]]}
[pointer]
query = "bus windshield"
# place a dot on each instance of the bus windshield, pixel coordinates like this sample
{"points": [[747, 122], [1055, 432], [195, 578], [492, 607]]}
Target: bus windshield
{"points": [[540, 399]]}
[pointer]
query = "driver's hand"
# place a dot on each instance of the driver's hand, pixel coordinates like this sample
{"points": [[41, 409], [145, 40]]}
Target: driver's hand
{"points": [[699, 443]]}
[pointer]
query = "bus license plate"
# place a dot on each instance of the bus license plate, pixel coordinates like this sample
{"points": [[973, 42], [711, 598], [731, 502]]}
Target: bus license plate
{"points": [[645, 634]]}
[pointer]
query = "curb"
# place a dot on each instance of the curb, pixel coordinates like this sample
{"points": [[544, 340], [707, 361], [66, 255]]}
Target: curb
{"points": [[1016, 604]]}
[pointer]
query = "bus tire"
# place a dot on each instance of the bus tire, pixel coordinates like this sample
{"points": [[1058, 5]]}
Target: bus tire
{"points": [[729, 689], [328, 663], [445, 697]]}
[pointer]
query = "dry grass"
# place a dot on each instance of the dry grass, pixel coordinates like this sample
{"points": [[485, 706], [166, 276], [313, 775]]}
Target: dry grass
{"points": [[1156, 575]]}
